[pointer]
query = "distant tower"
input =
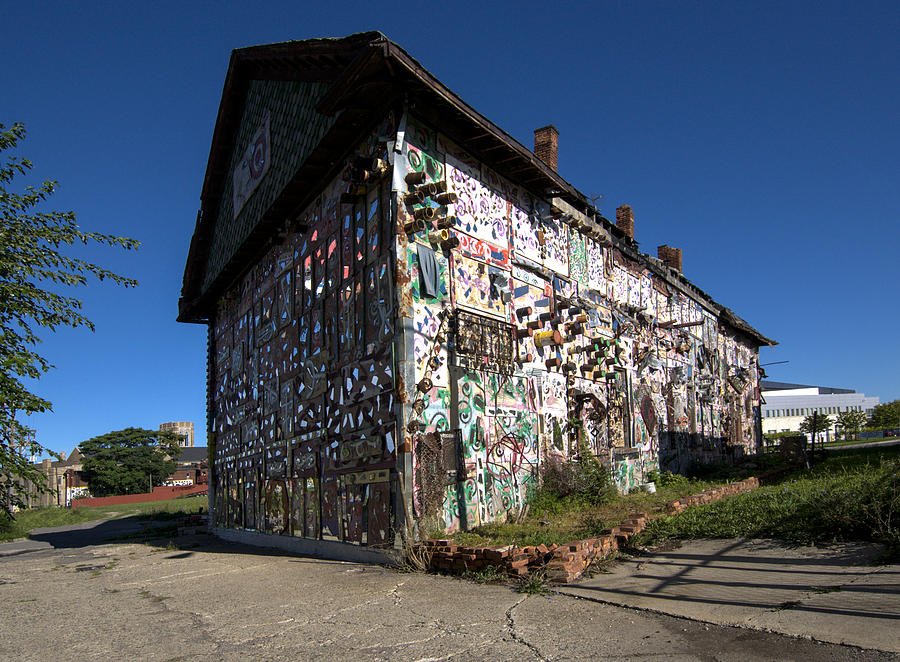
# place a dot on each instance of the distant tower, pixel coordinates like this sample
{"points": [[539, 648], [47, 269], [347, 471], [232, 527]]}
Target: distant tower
{"points": [[180, 427]]}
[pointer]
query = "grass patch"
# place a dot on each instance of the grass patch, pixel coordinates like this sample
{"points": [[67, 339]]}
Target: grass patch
{"points": [[35, 518], [171, 509], [164, 531], [856, 442], [491, 574], [854, 494], [560, 519], [535, 583]]}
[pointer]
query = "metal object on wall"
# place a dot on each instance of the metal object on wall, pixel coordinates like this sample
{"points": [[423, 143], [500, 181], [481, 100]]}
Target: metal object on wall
{"points": [[484, 342], [534, 336]]}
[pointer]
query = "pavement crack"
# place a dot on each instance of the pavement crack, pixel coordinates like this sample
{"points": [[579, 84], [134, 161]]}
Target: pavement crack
{"points": [[392, 593], [511, 628], [400, 644], [395, 593], [294, 625], [437, 659], [427, 621]]}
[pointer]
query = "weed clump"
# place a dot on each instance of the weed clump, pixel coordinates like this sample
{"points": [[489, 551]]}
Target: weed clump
{"points": [[491, 574], [563, 483], [535, 583]]}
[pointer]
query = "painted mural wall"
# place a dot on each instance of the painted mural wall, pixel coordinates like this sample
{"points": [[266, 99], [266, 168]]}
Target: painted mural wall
{"points": [[304, 398], [426, 334], [533, 339]]}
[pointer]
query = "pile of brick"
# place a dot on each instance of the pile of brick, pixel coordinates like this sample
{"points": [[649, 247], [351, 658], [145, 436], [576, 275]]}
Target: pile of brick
{"points": [[567, 562]]}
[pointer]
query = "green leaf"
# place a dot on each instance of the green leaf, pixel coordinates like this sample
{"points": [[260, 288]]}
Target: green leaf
{"points": [[29, 258]]}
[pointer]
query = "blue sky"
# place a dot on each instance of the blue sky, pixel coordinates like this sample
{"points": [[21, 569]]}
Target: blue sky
{"points": [[761, 138]]}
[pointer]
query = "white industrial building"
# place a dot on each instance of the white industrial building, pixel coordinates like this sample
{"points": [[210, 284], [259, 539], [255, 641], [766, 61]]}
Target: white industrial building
{"points": [[784, 406]]}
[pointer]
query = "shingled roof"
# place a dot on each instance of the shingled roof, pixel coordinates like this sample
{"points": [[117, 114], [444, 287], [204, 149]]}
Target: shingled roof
{"points": [[364, 76]]}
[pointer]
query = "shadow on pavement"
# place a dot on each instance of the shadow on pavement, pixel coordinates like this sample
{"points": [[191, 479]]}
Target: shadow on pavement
{"points": [[763, 576], [136, 530]]}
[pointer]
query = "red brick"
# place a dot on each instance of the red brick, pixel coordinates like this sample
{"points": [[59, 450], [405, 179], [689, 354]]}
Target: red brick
{"points": [[498, 554]]}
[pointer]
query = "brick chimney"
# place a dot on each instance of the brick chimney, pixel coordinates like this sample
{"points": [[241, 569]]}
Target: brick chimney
{"points": [[546, 145], [670, 256], [625, 220]]}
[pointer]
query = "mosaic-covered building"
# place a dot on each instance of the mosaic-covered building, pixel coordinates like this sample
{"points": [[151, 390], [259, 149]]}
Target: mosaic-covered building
{"points": [[409, 311]]}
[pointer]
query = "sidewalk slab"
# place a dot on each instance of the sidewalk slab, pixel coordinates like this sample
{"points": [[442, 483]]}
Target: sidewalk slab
{"points": [[830, 594]]}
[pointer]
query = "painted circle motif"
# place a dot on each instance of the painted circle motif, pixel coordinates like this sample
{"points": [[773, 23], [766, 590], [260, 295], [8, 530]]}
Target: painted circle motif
{"points": [[648, 411], [258, 157]]}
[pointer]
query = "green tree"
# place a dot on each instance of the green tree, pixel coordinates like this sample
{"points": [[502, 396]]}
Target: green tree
{"points": [[128, 461], [851, 421], [886, 415], [31, 240], [815, 424]]}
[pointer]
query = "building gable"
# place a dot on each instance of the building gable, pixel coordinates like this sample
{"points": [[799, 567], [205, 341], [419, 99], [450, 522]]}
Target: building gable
{"points": [[295, 127]]}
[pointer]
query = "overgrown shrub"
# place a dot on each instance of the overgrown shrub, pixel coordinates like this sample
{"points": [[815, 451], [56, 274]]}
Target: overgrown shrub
{"points": [[583, 478], [9, 527], [558, 476], [668, 479]]}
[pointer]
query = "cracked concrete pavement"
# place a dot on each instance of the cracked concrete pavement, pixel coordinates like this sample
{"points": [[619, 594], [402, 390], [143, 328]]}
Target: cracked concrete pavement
{"points": [[209, 600]]}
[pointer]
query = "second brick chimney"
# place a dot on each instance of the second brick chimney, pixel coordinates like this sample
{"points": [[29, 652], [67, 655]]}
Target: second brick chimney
{"points": [[625, 220], [546, 145], [670, 256]]}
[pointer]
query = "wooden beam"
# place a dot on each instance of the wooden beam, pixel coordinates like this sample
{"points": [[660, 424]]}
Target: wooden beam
{"points": [[671, 324]]}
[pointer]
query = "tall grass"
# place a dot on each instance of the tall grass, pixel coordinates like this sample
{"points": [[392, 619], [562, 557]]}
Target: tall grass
{"points": [[853, 495]]}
